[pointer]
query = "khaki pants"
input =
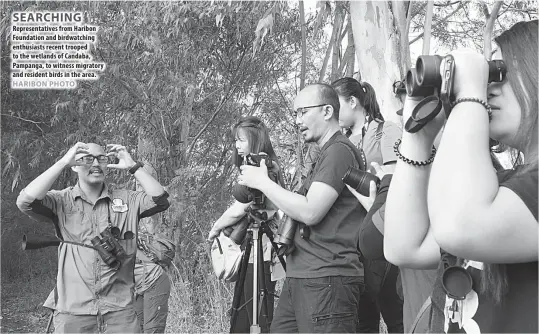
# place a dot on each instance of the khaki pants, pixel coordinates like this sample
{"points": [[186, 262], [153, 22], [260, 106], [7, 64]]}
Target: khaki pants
{"points": [[124, 321], [152, 306]]}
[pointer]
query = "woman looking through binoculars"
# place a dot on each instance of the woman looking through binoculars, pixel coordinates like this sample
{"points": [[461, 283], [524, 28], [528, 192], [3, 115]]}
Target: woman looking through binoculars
{"points": [[477, 226], [251, 137]]}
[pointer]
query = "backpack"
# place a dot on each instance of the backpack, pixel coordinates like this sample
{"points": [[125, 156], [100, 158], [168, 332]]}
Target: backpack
{"points": [[158, 247]]}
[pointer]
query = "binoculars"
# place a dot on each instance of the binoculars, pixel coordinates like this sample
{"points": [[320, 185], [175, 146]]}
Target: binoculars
{"points": [[432, 77], [109, 248], [287, 231], [430, 72]]}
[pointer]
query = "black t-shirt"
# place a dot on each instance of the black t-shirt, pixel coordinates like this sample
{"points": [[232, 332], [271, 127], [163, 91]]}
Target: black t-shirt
{"points": [[331, 249], [517, 312]]}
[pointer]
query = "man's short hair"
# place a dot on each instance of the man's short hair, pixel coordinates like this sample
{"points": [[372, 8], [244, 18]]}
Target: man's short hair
{"points": [[329, 95]]}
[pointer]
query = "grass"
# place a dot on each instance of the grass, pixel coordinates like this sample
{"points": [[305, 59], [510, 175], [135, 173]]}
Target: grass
{"points": [[199, 302], [193, 308]]}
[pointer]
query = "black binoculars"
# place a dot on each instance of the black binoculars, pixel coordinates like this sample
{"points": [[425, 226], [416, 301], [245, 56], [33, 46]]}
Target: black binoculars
{"points": [[360, 180], [432, 78], [287, 231], [430, 72], [109, 248]]}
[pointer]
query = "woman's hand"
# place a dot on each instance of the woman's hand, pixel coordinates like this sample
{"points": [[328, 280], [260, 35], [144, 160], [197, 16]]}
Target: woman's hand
{"points": [[471, 74], [368, 201], [430, 130], [214, 233]]}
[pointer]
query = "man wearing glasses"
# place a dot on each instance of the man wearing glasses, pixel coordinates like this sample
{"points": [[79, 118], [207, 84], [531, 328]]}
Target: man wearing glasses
{"points": [[91, 294], [324, 277]]}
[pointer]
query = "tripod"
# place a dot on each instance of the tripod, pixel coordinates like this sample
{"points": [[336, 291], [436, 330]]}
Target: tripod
{"points": [[257, 227]]}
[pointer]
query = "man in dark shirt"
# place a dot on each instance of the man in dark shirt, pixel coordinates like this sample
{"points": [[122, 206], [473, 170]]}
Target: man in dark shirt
{"points": [[324, 274], [93, 293]]}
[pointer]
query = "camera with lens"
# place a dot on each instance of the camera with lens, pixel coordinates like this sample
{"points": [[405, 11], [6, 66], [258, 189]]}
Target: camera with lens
{"points": [[244, 194], [360, 180], [432, 77], [254, 160], [109, 248]]}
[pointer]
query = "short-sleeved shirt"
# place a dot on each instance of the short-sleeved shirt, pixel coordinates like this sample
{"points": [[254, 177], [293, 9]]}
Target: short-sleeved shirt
{"points": [[86, 285], [377, 144], [331, 249], [146, 272], [517, 311]]}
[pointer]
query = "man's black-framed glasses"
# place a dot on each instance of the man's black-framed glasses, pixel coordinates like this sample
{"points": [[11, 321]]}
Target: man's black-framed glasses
{"points": [[301, 111], [89, 159]]}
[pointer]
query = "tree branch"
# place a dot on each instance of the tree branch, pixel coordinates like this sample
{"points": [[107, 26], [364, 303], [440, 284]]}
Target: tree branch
{"points": [[26, 120], [489, 27], [461, 4]]}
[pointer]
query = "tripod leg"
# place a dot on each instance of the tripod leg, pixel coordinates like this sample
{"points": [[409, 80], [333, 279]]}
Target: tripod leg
{"points": [[238, 289], [263, 305]]}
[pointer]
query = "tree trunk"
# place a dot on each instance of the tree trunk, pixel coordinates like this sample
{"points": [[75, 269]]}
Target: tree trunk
{"points": [[489, 27], [381, 64], [351, 62], [337, 27], [176, 189], [428, 27], [303, 45]]}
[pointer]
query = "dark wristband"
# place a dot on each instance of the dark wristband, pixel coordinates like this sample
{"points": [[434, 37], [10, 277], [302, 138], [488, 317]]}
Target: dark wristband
{"points": [[133, 169]]}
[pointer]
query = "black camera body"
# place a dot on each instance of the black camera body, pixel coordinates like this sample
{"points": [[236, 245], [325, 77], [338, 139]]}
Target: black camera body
{"points": [[245, 194], [256, 195], [432, 77], [109, 248]]}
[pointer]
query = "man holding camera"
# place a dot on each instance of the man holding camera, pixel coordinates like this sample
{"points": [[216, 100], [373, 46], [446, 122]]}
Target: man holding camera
{"points": [[324, 274], [98, 226]]}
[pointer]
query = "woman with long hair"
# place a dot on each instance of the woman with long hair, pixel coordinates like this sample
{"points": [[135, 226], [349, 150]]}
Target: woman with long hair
{"points": [[360, 115], [478, 227], [251, 137]]}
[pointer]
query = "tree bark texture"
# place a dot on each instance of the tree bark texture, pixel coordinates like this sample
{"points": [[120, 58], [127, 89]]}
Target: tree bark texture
{"points": [[378, 51]]}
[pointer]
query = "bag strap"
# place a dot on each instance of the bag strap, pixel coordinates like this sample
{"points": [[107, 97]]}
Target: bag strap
{"points": [[422, 311]]}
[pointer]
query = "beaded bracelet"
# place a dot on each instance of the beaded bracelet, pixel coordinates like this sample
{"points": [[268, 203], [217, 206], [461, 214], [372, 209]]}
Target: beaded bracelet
{"points": [[410, 161], [473, 99]]}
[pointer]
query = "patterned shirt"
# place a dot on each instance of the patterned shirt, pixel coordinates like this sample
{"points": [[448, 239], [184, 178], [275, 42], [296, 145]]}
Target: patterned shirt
{"points": [[85, 283]]}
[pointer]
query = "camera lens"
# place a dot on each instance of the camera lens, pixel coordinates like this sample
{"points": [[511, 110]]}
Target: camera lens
{"points": [[360, 180]]}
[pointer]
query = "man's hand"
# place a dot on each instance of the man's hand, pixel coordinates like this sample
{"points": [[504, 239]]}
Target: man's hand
{"points": [[254, 177], [120, 152], [366, 201], [69, 159]]}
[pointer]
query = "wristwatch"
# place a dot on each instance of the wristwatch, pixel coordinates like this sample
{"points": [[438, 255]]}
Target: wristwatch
{"points": [[133, 169]]}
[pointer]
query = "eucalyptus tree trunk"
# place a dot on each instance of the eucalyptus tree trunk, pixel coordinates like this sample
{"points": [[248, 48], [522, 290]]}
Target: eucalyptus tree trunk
{"points": [[383, 55]]}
